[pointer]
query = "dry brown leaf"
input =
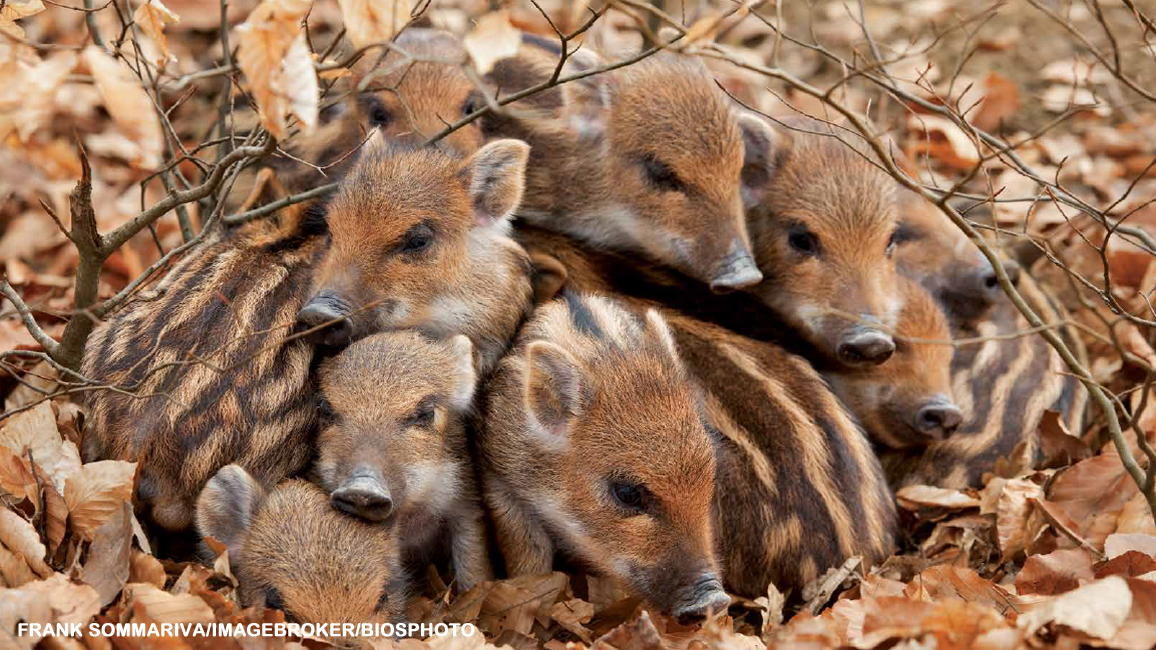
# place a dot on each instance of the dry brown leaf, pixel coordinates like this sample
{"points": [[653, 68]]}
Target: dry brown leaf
{"points": [[152, 16], [1055, 572], [1073, 72], [516, 603], [493, 38], [107, 567], [18, 535], [951, 624], [572, 614], [1117, 544], [34, 433], [96, 493], [128, 104], [54, 510], [14, 10], [162, 607], [147, 569], [951, 582], [1097, 609], [1136, 517], [14, 570], [914, 497], [16, 477], [1093, 493], [1012, 512], [273, 54], [1001, 100], [28, 92], [374, 21], [1128, 564], [945, 141], [55, 600]]}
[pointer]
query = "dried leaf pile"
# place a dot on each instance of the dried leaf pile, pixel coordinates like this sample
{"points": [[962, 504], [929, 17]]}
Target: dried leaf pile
{"points": [[1061, 554]]}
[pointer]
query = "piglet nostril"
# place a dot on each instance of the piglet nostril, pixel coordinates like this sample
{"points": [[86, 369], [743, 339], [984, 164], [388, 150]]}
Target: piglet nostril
{"points": [[705, 598], [335, 330], [368, 504], [738, 274], [939, 419], [865, 347]]}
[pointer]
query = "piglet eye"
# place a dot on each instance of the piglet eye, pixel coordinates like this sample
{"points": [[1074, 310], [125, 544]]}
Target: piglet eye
{"points": [[629, 495], [803, 240], [424, 414], [418, 239], [423, 417], [470, 106], [379, 116], [661, 175]]}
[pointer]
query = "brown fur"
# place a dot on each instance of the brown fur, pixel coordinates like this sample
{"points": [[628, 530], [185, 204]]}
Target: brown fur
{"points": [[649, 158], [798, 487], [888, 399], [593, 399], [213, 378], [824, 192], [290, 550], [397, 403], [1003, 387], [469, 278]]}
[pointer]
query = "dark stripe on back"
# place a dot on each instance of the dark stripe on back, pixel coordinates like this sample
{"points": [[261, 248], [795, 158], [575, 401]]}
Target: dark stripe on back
{"points": [[581, 317]]}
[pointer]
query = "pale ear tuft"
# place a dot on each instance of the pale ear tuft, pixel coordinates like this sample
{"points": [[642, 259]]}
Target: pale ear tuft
{"points": [[554, 389], [227, 505], [657, 328], [497, 180], [759, 142], [465, 377]]}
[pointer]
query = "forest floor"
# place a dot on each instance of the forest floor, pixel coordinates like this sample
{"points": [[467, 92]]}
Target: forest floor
{"points": [[1062, 554]]}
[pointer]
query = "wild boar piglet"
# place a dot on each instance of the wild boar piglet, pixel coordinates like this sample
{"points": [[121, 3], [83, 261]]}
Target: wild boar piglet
{"points": [[650, 158], [291, 551], [906, 402], [594, 447], [212, 365], [393, 448]]}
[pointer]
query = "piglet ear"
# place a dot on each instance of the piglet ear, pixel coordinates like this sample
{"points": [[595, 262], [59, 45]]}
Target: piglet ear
{"points": [[759, 141], [554, 391], [227, 506], [465, 377], [497, 174]]}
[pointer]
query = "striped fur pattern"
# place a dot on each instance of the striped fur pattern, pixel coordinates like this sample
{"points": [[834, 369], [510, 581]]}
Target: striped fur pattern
{"points": [[211, 378], [1003, 387], [799, 488], [290, 550], [594, 447], [250, 399], [606, 170]]}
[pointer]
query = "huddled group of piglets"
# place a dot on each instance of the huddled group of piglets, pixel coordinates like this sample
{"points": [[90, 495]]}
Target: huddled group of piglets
{"points": [[623, 323]]}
